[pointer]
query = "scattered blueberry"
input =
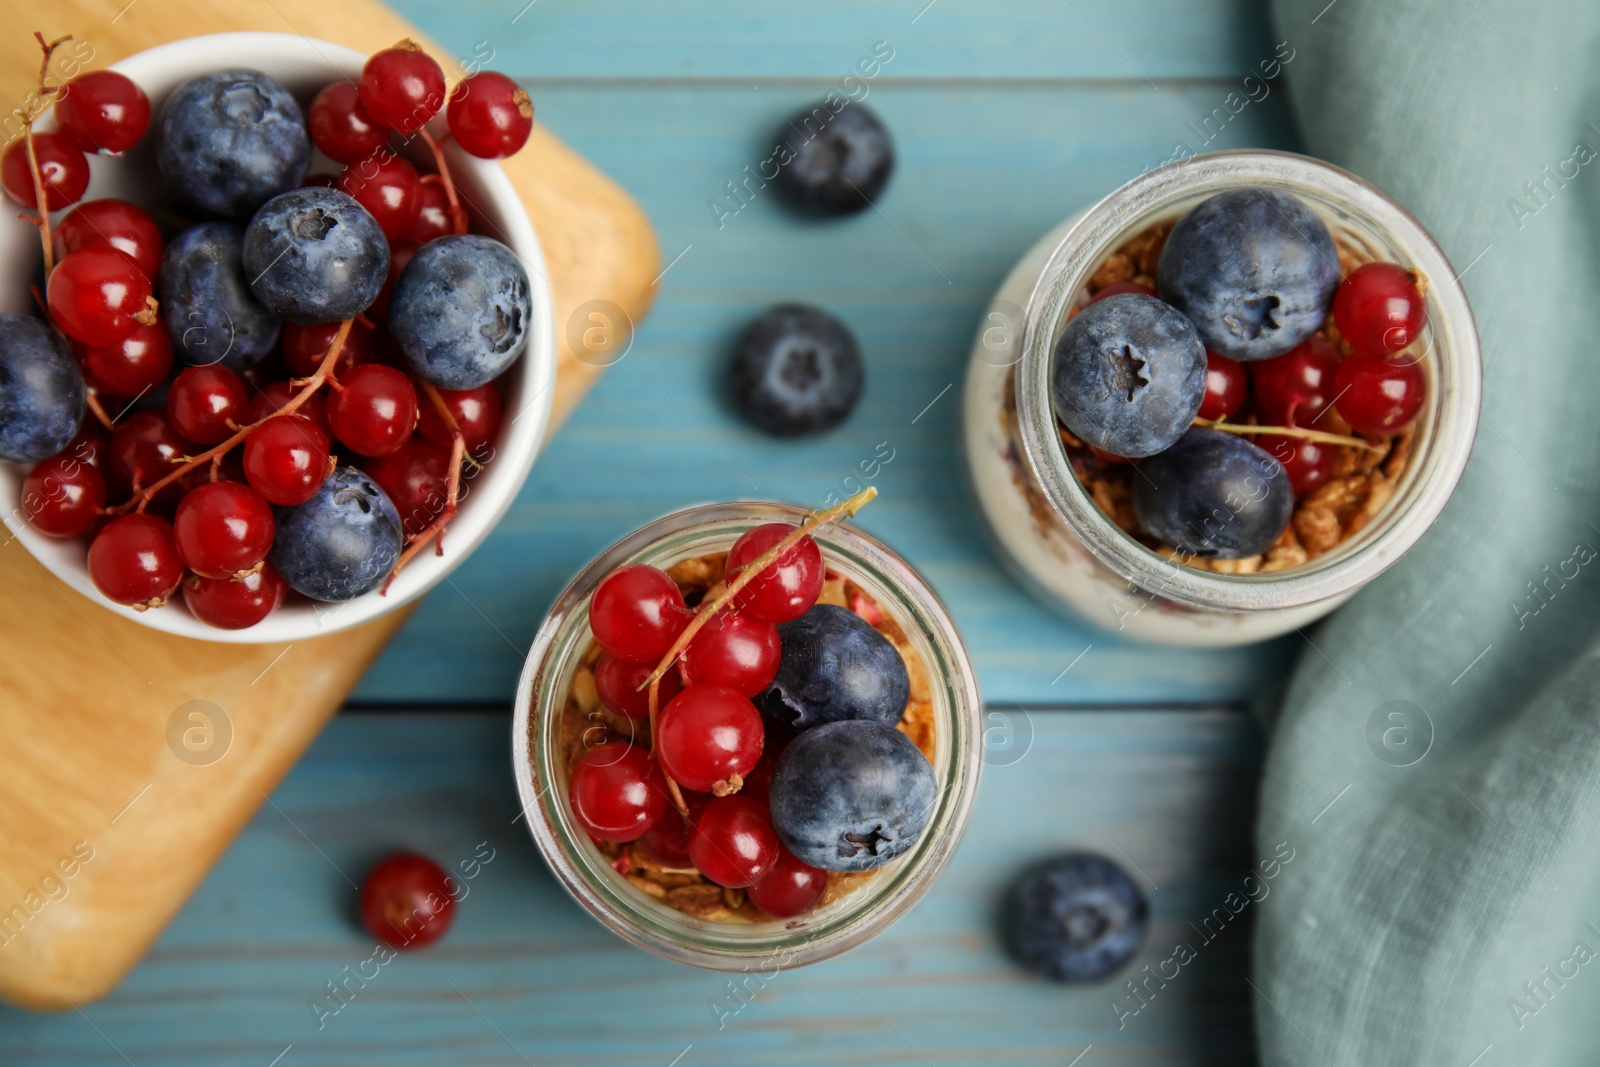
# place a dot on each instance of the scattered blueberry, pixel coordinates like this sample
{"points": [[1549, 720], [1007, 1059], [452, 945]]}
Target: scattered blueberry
{"points": [[796, 371], [461, 311], [1129, 375], [42, 395], [840, 161], [1214, 494], [836, 667], [851, 796], [341, 543], [315, 255], [231, 141], [206, 303], [1074, 918], [1254, 269]]}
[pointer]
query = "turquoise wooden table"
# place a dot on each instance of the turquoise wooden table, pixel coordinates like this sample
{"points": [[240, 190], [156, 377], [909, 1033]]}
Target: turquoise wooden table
{"points": [[1007, 116]]}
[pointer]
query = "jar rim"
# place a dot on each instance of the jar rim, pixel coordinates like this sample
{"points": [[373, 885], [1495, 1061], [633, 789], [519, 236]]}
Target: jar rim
{"points": [[1436, 465]]}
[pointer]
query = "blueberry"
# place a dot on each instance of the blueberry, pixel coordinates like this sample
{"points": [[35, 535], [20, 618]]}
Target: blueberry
{"points": [[231, 141], [1129, 375], [1254, 269], [42, 395], [315, 255], [461, 311], [341, 543], [206, 302], [834, 667], [837, 162], [796, 370], [1214, 494], [851, 796], [1074, 918]]}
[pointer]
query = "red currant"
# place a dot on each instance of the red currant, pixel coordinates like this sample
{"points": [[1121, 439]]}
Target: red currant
{"points": [[476, 411], [407, 901], [223, 529], [62, 167], [234, 604], [707, 735], [1120, 288], [433, 214], [790, 888], [62, 496], [1379, 395], [130, 367], [1378, 309], [401, 87], [305, 346], [1294, 388], [617, 792], [341, 127], [134, 560], [145, 447], [734, 650], [618, 681], [1226, 384], [102, 111], [91, 444], [733, 842], [637, 612], [400, 253], [117, 223], [374, 409], [274, 395], [490, 115], [388, 187], [668, 840], [94, 294], [207, 404], [789, 586], [1308, 463], [758, 783], [416, 478], [286, 459]]}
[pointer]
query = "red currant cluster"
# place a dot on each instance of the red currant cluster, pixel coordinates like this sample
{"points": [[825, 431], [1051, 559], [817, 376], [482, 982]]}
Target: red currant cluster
{"points": [[163, 490], [698, 797]]}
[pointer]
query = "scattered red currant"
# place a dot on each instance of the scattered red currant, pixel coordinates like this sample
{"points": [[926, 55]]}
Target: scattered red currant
{"points": [[477, 412], [92, 442], [134, 561], [733, 842], [407, 902], [305, 346], [146, 447], [790, 888], [490, 115], [1308, 463], [617, 792], [789, 586], [62, 496], [618, 681], [286, 459], [341, 127], [1379, 395], [207, 404], [708, 738], [388, 187], [95, 294], [735, 650], [374, 409], [433, 214], [62, 167], [231, 604], [415, 477], [274, 395], [223, 529], [1296, 387], [668, 840], [130, 367], [402, 87], [1378, 309], [1227, 382], [102, 111], [116, 223], [637, 612]]}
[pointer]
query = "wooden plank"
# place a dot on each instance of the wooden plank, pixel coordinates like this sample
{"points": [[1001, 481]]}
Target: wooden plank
{"points": [[526, 977]]}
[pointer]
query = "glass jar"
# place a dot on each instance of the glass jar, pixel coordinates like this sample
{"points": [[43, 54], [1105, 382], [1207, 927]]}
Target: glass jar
{"points": [[1049, 530], [587, 873]]}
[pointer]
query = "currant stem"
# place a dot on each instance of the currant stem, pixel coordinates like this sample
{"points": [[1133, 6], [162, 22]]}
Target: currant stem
{"points": [[92, 399], [458, 217], [1320, 436], [41, 205], [458, 450]]}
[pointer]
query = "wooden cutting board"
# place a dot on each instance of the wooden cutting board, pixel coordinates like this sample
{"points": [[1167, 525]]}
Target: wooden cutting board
{"points": [[104, 829]]}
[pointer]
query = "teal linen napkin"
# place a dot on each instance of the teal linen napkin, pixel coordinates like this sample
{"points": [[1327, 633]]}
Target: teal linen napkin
{"points": [[1446, 912]]}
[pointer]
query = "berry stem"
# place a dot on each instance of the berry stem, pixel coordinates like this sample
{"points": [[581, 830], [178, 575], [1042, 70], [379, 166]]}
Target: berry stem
{"points": [[92, 399], [41, 204], [458, 217], [435, 529], [1320, 436]]}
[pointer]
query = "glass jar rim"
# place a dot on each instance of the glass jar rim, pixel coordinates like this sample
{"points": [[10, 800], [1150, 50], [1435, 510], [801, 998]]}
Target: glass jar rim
{"points": [[1458, 384]]}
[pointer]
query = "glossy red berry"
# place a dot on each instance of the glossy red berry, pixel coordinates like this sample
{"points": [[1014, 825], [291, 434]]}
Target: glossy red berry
{"points": [[305, 346], [223, 529], [789, 586], [146, 447], [374, 410], [637, 612], [401, 87], [758, 783], [286, 459], [490, 115], [407, 901], [117, 223], [1121, 288], [1378, 309], [133, 560], [64, 169], [706, 735], [208, 404], [400, 253], [733, 843], [416, 479], [617, 792], [1227, 382], [102, 111], [668, 840], [1309, 464], [130, 367], [790, 888], [341, 127], [734, 649], [618, 681], [1295, 388], [62, 496], [1379, 395], [95, 293], [91, 444], [388, 187], [231, 604], [433, 214], [274, 395], [476, 411]]}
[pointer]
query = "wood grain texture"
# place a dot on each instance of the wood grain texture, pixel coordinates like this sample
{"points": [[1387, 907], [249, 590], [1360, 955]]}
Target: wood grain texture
{"points": [[86, 697], [525, 976]]}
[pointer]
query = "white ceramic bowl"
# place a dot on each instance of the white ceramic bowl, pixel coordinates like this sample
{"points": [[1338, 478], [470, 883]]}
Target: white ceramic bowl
{"points": [[304, 66]]}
